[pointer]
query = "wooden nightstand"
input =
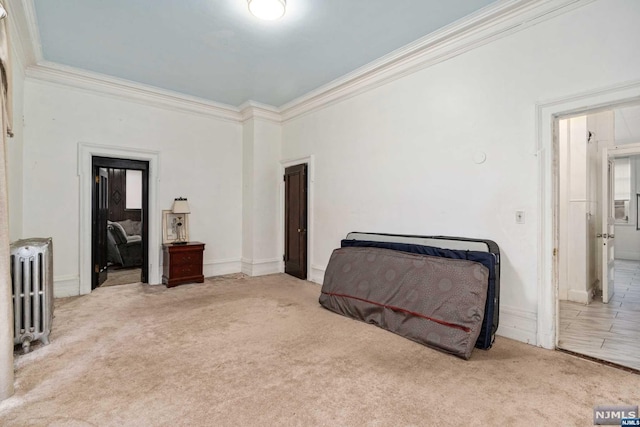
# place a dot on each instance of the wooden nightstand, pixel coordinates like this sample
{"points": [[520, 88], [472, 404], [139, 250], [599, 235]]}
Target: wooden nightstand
{"points": [[182, 264]]}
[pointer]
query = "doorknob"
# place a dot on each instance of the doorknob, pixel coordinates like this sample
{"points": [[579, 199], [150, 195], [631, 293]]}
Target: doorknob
{"points": [[612, 236], [605, 235]]}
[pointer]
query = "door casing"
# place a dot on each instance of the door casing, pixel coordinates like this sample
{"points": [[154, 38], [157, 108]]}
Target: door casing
{"points": [[85, 153], [546, 151], [100, 215]]}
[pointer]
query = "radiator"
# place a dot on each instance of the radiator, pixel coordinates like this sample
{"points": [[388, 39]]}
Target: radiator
{"points": [[32, 278]]}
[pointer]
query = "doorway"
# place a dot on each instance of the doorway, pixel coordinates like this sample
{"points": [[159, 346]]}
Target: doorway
{"points": [[120, 221], [295, 220], [598, 235]]}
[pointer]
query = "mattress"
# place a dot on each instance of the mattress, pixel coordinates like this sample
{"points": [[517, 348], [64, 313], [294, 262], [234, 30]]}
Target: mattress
{"points": [[488, 259], [435, 301]]}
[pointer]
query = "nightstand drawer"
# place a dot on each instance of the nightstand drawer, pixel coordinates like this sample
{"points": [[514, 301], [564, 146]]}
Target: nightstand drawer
{"points": [[186, 258], [185, 270]]}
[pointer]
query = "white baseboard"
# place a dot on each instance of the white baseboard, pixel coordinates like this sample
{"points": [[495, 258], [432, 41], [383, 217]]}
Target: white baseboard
{"points": [[316, 275], [517, 324], [630, 255], [583, 297], [261, 267], [66, 286], [221, 267]]}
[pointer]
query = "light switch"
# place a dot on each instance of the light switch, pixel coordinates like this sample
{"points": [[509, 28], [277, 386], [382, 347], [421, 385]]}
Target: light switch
{"points": [[519, 217]]}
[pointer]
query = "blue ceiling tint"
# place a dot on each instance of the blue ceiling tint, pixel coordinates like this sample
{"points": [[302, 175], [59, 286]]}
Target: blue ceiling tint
{"points": [[215, 49]]}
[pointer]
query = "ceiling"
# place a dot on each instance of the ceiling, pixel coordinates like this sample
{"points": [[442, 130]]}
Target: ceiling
{"points": [[216, 50]]}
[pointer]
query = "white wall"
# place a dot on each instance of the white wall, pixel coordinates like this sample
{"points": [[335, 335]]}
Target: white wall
{"points": [[200, 158], [15, 152], [261, 149], [578, 211], [398, 158]]}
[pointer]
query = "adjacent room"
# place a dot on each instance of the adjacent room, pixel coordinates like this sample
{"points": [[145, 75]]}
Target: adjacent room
{"points": [[598, 258], [219, 190]]}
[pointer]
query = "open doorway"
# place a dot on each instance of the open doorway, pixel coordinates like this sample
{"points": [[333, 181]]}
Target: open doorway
{"points": [[120, 218], [599, 234]]}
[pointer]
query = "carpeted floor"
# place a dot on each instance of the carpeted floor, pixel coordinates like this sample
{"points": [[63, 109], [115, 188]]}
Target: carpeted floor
{"points": [[261, 351]]}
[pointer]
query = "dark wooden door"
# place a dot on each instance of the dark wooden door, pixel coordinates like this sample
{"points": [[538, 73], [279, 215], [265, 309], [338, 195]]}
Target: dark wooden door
{"points": [[295, 218], [100, 214], [110, 163]]}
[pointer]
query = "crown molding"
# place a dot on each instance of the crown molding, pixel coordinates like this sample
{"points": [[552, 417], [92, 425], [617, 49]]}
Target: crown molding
{"points": [[17, 49], [149, 95], [252, 109], [488, 24], [31, 17], [493, 22], [107, 85], [22, 17]]}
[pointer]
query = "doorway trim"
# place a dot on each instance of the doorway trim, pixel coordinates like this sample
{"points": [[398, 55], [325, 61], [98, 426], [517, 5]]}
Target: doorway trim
{"points": [[86, 151], [546, 150], [313, 274]]}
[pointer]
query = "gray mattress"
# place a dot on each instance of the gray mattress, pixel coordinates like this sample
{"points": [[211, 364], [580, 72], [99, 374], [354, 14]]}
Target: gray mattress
{"points": [[438, 302]]}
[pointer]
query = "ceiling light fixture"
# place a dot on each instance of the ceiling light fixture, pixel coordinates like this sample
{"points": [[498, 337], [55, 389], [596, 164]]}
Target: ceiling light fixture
{"points": [[269, 10]]}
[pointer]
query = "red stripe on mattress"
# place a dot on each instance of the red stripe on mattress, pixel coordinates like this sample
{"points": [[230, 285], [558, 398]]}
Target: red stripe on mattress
{"points": [[391, 307]]}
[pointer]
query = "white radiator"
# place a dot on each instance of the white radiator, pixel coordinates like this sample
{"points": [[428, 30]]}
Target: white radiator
{"points": [[32, 278]]}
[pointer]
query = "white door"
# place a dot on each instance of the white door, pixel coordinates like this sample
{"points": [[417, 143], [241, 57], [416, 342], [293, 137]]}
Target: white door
{"points": [[608, 229]]}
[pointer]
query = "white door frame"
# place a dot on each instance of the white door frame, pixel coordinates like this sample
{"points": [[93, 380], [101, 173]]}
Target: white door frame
{"points": [[86, 151], [546, 150], [309, 160]]}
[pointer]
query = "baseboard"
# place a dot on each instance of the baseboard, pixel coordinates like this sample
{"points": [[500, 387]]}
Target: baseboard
{"points": [[221, 267], [629, 255], [582, 297], [517, 324], [66, 286], [260, 267], [317, 274]]}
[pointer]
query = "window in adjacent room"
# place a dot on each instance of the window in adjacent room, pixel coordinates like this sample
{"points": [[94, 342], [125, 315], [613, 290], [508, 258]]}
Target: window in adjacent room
{"points": [[134, 189], [622, 190]]}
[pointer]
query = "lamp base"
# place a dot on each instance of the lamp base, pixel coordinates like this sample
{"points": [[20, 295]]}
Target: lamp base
{"points": [[179, 243]]}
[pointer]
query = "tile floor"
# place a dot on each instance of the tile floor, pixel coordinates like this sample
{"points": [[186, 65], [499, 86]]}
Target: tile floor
{"points": [[607, 331]]}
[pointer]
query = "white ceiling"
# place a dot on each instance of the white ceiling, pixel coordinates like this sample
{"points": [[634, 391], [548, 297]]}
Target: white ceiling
{"points": [[216, 50]]}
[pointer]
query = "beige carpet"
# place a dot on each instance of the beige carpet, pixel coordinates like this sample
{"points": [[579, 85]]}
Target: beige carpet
{"points": [[261, 351]]}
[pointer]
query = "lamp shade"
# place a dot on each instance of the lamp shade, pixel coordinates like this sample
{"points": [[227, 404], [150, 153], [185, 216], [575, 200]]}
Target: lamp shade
{"points": [[181, 206]]}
